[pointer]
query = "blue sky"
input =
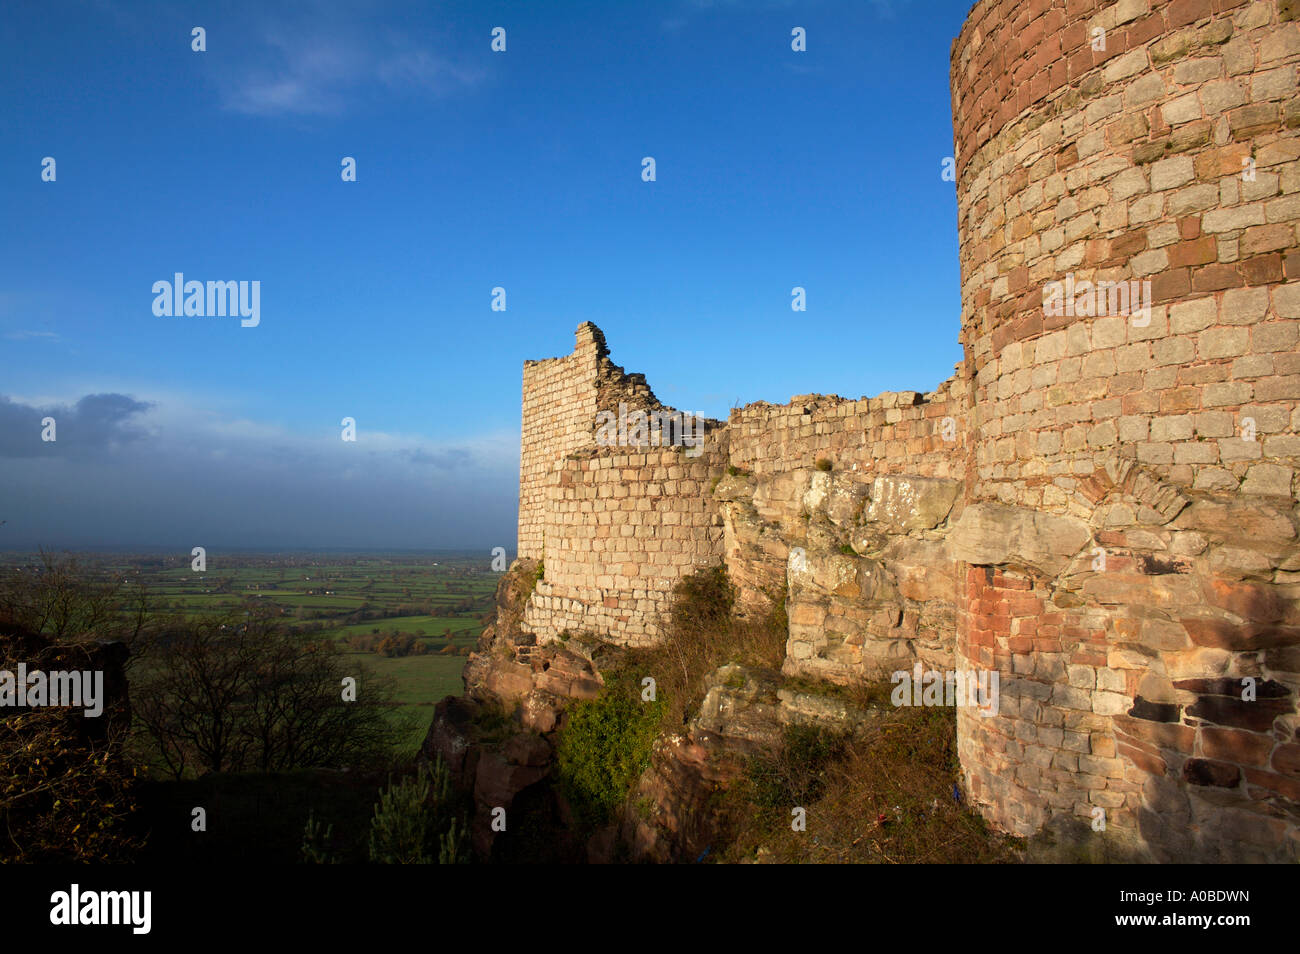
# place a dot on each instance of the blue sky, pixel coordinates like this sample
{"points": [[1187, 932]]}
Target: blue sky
{"points": [[475, 169]]}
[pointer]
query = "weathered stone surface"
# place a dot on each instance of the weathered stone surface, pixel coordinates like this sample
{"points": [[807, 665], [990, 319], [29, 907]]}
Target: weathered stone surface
{"points": [[900, 504], [996, 534], [735, 487], [847, 500], [1238, 521], [741, 704]]}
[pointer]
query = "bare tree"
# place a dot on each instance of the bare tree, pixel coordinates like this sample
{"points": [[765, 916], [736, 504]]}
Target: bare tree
{"points": [[242, 693]]}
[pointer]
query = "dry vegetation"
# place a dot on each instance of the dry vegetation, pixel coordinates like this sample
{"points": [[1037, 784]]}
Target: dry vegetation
{"points": [[885, 795], [700, 634]]}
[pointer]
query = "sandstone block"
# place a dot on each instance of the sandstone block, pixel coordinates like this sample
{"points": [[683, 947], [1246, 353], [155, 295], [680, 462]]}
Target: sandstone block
{"points": [[993, 534]]}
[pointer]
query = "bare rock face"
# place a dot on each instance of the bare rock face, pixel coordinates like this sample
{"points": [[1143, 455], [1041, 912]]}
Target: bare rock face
{"points": [[497, 739], [871, 587]]}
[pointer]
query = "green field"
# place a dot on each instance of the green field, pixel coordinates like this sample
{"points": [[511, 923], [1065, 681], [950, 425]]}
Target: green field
{"points": [[441, 600]]}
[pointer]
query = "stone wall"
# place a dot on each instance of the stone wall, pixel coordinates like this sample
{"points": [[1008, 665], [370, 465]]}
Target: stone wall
{"points": [[1129, 535], [623, 525], [842, 506], [1100, 506], [559, 408], [615, 526]]}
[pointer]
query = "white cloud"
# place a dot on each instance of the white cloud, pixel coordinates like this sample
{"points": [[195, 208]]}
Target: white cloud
{"points": [[327, 70]]}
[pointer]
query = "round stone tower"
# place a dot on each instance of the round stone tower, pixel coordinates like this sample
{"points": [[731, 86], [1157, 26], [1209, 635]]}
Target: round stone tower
{"points": [[1128, 193]]}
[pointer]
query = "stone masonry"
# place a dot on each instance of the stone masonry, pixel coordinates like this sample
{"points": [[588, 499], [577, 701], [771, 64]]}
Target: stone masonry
{"points": [[1101, 506], [1128, 544]]}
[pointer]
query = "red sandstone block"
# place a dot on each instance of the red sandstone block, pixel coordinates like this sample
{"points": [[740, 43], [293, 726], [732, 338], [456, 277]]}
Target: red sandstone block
{"points": [[1274, 783], [1262, 269], [1020, 75], [1156, 124], [1236, 745], [1116, 43], [1060, 75], [1129, 244], [1034, 32], [1024, 606], [1067, 157], [1087, 659], [1291, 264], [1047, 52], [1145, 29], [1189, 227], [1216, 277], [1171, 284], [1201, 251], [1040, 85], [1221, 5], [1030, 326], [1020, 644], [1183, 12], [1146, 761], [1073, 35], [1055, 322], [1079, 62], [1042, 645]]}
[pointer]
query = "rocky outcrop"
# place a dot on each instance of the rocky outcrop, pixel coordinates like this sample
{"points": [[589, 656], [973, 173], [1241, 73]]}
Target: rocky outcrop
{"points": [[674, 814], [498, 739], [870, 584]]}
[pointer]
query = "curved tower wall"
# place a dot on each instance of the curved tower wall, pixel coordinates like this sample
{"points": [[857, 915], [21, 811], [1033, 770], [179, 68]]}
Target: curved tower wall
{"points": [[1128, 547]]}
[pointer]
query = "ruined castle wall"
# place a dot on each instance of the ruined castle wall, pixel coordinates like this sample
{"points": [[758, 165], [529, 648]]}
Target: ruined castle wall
{"points": [[615, 526], [841, 506], [896, 432], [1101, 506], [623, 525], [1128, 544], [559, 409]]}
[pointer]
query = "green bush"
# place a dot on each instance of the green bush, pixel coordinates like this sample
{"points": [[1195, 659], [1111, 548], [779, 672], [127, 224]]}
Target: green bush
{"points": [[796, 773], [604, 748], [413, 823], [316, 842], [703, 600]]}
